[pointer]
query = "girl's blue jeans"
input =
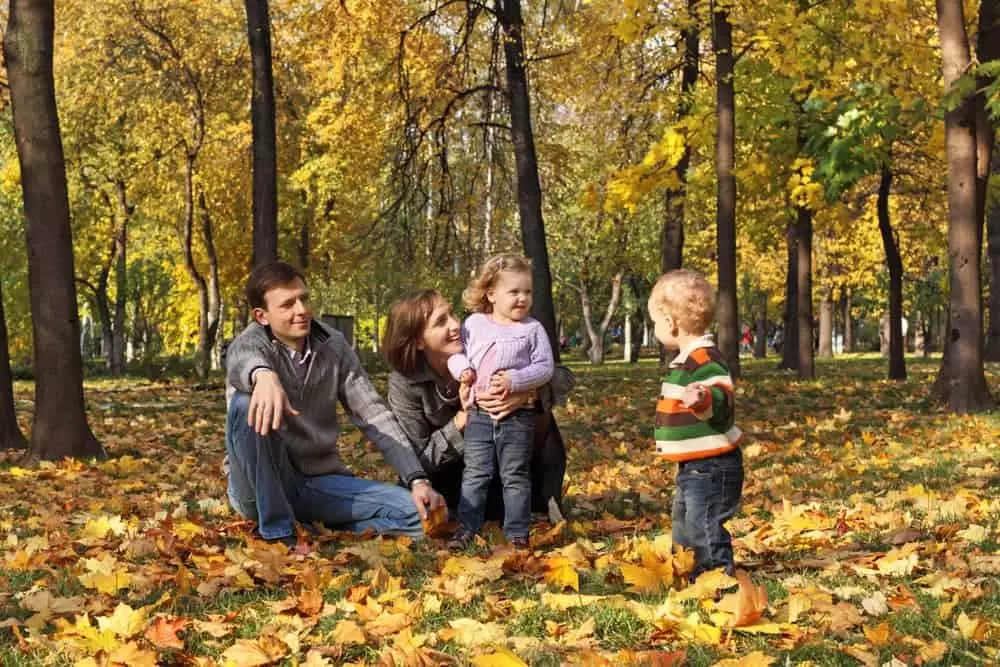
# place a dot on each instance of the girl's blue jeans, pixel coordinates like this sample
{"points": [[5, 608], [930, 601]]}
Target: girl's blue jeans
{"points": [[493, 447]]}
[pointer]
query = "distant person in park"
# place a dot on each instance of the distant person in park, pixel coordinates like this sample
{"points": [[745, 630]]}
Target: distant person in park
{"points": [[289, 372], [695, 420], [422, 333], [505, 351]]}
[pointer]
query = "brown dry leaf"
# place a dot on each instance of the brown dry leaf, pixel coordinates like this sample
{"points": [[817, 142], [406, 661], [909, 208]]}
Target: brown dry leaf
{"points": [[217, 629], [388, 624], [162, 632], [310, 601], [971, 627], [436, 523]]}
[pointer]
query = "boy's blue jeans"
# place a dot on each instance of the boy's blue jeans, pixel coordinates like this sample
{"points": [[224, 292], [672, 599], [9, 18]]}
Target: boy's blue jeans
{"points": [[505, 444], [707, 496], [264, 485]]}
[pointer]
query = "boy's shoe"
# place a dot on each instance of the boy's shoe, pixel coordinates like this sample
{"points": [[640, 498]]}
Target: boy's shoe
{"points": [[288, 540], [462, 540], [520, 542]]}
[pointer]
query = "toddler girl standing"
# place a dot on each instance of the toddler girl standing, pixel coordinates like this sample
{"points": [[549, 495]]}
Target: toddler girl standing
{"points": [[506, 351]]}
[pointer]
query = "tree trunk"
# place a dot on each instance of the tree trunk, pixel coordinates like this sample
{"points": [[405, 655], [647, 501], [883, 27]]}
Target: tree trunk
{"points": [[596, 336], [760, 328], [848, 321], [529, 191], [988, 48], [826, 325], [672, 232], [206, 340], [725, 158], [897, 360], [265, 151], [10, 434], [992, 352], [803, 301], [60, 424], [636, 319], [961, 381], [790, 343], [123, 213]]}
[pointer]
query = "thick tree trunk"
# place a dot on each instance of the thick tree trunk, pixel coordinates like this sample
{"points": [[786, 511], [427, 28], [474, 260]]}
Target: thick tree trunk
{"points": [[636, 319], [10, 433], [992, 352], [529, 191], [672, 232], [988, 48], [803, 301], [848, 321], [961, 381], [725, 157], [826, 325], [897, 360], [265, 151], [60, 423], [790, 318]]}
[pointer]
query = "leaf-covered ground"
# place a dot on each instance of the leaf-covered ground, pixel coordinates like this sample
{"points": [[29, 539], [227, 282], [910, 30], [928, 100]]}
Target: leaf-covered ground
{"points": [[868, 535]]}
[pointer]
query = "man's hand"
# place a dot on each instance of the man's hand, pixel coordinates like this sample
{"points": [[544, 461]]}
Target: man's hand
{"points": [[268, 403], [425, 498]]}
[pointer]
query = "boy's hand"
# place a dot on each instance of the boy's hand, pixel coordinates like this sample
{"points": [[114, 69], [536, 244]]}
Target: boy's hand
{"points": [[467, 377], [693, 394], [501, 384]]}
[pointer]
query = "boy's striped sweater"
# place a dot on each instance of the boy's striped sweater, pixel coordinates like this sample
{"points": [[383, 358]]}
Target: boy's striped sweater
{"points": [[708, 428]]}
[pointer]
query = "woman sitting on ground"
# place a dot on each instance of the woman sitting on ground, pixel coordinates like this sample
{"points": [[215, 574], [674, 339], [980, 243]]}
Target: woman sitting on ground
{"points": [[422, 333]]}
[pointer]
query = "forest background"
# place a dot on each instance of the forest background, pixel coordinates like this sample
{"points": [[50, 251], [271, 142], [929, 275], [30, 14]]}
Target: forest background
{"points": [[395, 168]]}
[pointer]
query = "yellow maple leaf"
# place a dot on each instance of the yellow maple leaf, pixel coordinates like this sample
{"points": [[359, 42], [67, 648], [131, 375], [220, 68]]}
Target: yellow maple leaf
{"points": [[640, 579], [471, 633], [560, 572], [105, 574], [747, 604], [348, 632], [501, 658], [130, 654], [564, 601], [252, 652], [755, 659], [124, 622], [971, 627]]}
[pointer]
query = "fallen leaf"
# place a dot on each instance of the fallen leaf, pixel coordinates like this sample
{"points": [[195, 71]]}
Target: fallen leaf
{"points": [[501, 658], [162, 632]]}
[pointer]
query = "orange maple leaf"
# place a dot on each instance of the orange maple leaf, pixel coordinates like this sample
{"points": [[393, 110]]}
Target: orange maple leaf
{"points": [[162, 632]]}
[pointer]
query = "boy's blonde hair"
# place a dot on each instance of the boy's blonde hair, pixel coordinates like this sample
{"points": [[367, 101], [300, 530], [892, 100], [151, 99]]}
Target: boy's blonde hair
{"points": [[474, 296], [686, 297]]}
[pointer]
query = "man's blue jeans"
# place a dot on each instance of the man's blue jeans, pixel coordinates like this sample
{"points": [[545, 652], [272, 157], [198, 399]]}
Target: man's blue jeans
{"points": [[506, 442], [264, 485], [707, 496]]}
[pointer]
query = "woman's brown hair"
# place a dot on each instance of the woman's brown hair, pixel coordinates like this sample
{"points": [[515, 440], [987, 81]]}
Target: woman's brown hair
{"points": [[407, 319]]}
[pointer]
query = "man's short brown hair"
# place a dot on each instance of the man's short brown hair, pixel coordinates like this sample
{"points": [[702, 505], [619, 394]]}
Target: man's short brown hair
{"points": [[407, 321], [266, 277]]}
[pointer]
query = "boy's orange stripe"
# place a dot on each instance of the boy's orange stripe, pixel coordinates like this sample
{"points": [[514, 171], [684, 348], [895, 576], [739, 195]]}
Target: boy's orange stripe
{"points": [[700, 355], [670, 406]]}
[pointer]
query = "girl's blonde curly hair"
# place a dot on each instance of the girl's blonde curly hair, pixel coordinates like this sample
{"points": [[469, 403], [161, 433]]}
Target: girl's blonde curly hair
{"points": [[474, 296]]}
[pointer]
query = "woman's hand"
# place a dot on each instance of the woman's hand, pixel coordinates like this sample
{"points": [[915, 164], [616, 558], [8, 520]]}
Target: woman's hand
{"points": [[500, 405]]}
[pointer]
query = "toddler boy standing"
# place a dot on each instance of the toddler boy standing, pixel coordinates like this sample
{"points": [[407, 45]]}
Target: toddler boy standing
{"points": [[695, 423]]}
